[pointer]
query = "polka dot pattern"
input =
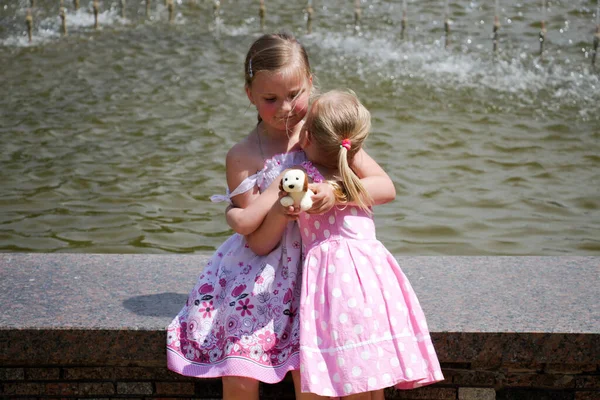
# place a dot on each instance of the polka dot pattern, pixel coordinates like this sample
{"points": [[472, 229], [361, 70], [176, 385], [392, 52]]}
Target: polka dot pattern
{"points": [[366, 329]]}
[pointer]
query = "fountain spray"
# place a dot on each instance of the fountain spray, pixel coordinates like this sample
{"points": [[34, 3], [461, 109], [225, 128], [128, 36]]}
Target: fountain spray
{"points": [[496, 26], [543, 29], [309, 17], [63, 17], [96, 7], [447, 22], [597, 34], [357, 15], [261, 13], [403, 22], [29, 23], [216, 7], [171, 9]]}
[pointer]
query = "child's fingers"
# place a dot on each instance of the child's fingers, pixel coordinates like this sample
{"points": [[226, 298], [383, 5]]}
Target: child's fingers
{"points": [[292, 212], [321, 204]]}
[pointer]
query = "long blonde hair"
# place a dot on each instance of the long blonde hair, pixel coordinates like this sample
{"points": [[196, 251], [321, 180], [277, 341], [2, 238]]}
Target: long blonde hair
{"points": [[336, 116]]}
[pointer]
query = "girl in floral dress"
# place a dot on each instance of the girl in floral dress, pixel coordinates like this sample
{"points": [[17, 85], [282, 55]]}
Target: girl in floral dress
{"points": [[240, 321]]}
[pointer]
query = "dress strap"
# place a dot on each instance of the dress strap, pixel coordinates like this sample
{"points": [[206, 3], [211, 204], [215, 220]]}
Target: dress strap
{"points": [[243, 187]]}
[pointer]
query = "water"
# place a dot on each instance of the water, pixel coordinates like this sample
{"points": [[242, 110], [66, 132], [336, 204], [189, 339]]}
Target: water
{"points": [[113, 140]]}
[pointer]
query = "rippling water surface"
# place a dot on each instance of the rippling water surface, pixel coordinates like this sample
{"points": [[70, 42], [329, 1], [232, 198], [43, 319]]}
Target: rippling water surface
{"points": [[112, 140]]}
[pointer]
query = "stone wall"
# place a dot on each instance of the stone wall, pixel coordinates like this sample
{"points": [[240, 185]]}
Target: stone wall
{"points": [[92, 327]]}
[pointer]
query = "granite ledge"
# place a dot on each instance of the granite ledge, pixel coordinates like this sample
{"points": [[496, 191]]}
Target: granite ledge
{"points": [[98, 308]]}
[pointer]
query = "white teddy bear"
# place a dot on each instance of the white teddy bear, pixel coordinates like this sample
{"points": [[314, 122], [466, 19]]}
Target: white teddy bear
{"points": [[295, 182]]}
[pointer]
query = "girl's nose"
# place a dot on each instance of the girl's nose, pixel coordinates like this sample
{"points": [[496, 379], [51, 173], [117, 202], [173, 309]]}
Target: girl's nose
{"points": [[286, 105]]}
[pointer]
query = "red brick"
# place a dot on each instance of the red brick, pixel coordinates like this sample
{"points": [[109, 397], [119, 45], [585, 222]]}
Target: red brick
{"points": [[23, 388], [62, 389], [572, 369], [543, 381], [595, 395], [175, 388], [42, 374], [426, 393], [522, 367], [149, 374], [96, 388], [89, 373], [167, 398], [12, 374], [134, 388], [587, 382], [464, 377], [476, 394]]}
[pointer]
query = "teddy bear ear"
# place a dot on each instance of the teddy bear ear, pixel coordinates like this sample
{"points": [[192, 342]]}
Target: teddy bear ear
{"points": [[281, 185], [305, 182]]}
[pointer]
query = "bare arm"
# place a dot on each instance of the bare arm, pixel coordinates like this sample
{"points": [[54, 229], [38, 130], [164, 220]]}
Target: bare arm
{"points": [[264, 239], [250, 208], [375, 180]]}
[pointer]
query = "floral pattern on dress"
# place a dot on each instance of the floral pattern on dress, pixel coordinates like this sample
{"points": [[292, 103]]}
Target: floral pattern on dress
{"points": [[241, 316]]}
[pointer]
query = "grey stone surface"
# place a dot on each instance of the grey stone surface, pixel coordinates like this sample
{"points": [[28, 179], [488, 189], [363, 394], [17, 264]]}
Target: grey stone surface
{"points": [[144, 292]]}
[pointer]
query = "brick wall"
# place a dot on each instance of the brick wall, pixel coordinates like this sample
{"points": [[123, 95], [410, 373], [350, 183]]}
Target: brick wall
{"points": [[539, 382], [42, 373]]}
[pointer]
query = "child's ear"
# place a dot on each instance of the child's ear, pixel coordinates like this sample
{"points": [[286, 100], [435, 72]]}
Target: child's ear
{"points": [[305, 138], [249, 94]]}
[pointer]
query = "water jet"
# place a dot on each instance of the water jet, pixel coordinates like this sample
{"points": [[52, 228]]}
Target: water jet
{"points": [[96, 8], [63, 17], [309, 17], [261, 13], [29, 24]]}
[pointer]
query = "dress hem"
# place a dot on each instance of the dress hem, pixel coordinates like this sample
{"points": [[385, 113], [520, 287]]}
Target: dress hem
{"points": [[232, 366], [401, 384]]}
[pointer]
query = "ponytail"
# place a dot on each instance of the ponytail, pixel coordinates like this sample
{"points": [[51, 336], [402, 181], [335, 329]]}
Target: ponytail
{"points": [[353, 188], [339, 124]]}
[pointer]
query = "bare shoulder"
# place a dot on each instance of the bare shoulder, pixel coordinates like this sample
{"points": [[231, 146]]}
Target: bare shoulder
{"points": [[243, 155], [242, 161]]}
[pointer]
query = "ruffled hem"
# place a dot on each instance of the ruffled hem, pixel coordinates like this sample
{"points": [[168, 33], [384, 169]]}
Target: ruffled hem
{"points": [[232, 366]]}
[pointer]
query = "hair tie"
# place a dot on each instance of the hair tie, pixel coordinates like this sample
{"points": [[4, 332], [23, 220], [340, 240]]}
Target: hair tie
{"points": [[250, 68], [346, 143]]}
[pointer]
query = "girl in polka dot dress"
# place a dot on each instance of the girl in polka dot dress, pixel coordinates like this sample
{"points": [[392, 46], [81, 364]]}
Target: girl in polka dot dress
{"points": [[362, 328]]}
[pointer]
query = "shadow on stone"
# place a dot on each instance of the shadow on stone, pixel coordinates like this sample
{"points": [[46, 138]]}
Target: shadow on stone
{"points": [[156, 305]]}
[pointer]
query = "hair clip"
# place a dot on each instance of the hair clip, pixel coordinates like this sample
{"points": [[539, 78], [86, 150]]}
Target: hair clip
{"points": [[250, 68]]}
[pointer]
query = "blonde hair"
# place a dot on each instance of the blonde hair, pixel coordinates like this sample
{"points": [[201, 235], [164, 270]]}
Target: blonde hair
{"points": [[333, 117]]}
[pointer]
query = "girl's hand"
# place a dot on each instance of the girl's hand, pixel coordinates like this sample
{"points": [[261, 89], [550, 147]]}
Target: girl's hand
{"points": [[324, 198], [291, 212]]}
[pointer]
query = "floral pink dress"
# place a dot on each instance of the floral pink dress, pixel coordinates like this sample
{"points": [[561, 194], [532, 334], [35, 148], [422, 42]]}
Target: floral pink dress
{"points": [[362, 326], [241, 316]]}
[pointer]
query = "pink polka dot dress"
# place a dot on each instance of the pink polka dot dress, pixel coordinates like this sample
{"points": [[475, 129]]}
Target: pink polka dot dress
{"points": [[362, 326]]}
